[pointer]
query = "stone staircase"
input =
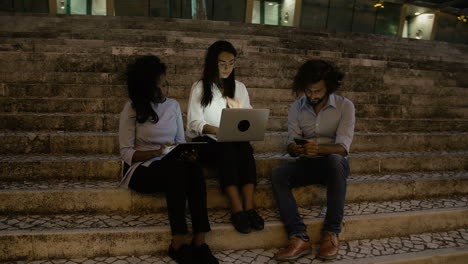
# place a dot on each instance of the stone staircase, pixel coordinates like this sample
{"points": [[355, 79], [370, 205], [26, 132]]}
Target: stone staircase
{"points": [[61, 90]]}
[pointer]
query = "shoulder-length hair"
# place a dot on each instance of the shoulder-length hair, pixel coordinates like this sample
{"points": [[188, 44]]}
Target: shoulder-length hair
{"points": [[211, 72], [143, 76], [313, 71]]}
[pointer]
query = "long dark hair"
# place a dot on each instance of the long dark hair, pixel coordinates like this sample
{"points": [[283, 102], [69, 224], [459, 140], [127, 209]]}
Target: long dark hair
{"points": [[313, 71], [142, 84], [211, 72]]}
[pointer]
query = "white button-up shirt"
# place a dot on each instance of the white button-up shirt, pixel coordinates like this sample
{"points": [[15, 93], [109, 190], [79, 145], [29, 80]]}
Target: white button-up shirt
{"points": [[198, 116], [334, 124]]}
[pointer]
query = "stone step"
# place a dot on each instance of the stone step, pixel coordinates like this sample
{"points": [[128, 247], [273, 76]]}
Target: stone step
{"points": [[24, 24], [149, 26], [170, 29], [386, 110], [163, 33], [28, 197], [60, 122], [359, 78], [397, 56], [90, 78], [449, 252], [359, 95], [395, 125], [164, 38], [70, 167], [254, 65], [416, 108], [73, 236], [404, 97], [67, 122], [107, 143], [190, 61], [34, 57], [49, 67], [378, 89]]}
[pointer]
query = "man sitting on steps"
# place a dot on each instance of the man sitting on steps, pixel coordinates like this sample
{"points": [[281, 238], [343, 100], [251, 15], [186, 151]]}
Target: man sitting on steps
{"points": [[320, 132]]}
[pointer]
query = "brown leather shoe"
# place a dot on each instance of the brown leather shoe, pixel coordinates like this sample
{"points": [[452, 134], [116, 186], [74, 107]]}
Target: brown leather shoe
{"points": [[296, 249], [329, 246]]}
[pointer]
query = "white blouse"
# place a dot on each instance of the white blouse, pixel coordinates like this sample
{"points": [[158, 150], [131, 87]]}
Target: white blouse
{"points": [[198, 116], [134, 136]]}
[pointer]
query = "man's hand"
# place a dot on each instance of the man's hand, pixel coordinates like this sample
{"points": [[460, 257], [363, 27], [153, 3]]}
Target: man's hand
{"points": [[295, 150], [311, 148]]}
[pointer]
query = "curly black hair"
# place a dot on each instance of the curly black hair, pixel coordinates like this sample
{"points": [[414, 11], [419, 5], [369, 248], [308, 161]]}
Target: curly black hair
{"points": [[143, 76], [313, 71]]}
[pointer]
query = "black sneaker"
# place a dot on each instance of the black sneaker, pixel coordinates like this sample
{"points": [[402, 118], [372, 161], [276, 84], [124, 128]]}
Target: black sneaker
{"points": [[256, 221], [183, 255], [204, 255], [241, 222]]}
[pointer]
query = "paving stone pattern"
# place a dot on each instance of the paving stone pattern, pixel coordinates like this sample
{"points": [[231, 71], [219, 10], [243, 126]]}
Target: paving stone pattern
{"points": [[64, 222], [356, 249]]}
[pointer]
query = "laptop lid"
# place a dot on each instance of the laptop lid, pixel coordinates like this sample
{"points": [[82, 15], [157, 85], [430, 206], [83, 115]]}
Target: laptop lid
{"points": [[240, 124]]}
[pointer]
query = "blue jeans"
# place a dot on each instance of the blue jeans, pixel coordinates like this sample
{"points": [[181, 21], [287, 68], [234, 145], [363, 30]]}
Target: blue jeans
{"points": [[331, 170]]}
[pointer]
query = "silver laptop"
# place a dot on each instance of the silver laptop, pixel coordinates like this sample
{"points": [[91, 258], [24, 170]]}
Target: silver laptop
{"points": [[240, 124]]}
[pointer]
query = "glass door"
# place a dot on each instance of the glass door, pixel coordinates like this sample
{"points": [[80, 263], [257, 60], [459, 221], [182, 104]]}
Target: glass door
{"points": [[81, 7], [267, 12]]}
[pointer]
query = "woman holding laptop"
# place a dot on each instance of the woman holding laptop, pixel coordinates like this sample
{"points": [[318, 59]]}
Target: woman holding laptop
{"points": [[148, 123], [218, 89]]}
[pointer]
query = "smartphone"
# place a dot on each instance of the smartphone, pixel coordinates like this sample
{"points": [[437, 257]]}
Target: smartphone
{"points": [[300, 141]]}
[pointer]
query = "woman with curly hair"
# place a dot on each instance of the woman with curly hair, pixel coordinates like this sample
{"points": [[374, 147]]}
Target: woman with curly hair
{"points": [[148, 123]]}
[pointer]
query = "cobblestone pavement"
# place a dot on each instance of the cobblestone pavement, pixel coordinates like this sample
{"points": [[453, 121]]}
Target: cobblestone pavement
{"points": [[356, 249], [61, 222], [28, 185]]}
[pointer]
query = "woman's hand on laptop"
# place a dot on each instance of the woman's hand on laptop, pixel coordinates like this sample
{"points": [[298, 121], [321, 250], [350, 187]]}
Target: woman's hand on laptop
{"points": [[209, 129], [233, 103]]}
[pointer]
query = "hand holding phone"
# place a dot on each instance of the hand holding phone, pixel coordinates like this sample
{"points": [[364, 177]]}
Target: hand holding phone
{"points": [[310, 151], [300, 141]]}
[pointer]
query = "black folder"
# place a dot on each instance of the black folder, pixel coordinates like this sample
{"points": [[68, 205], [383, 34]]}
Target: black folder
{"points": [[183, 149]]}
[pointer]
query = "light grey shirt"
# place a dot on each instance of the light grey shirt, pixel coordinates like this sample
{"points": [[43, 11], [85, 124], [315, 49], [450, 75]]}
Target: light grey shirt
{"points": [[134, 136], [198, 116], [334, 124]]}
